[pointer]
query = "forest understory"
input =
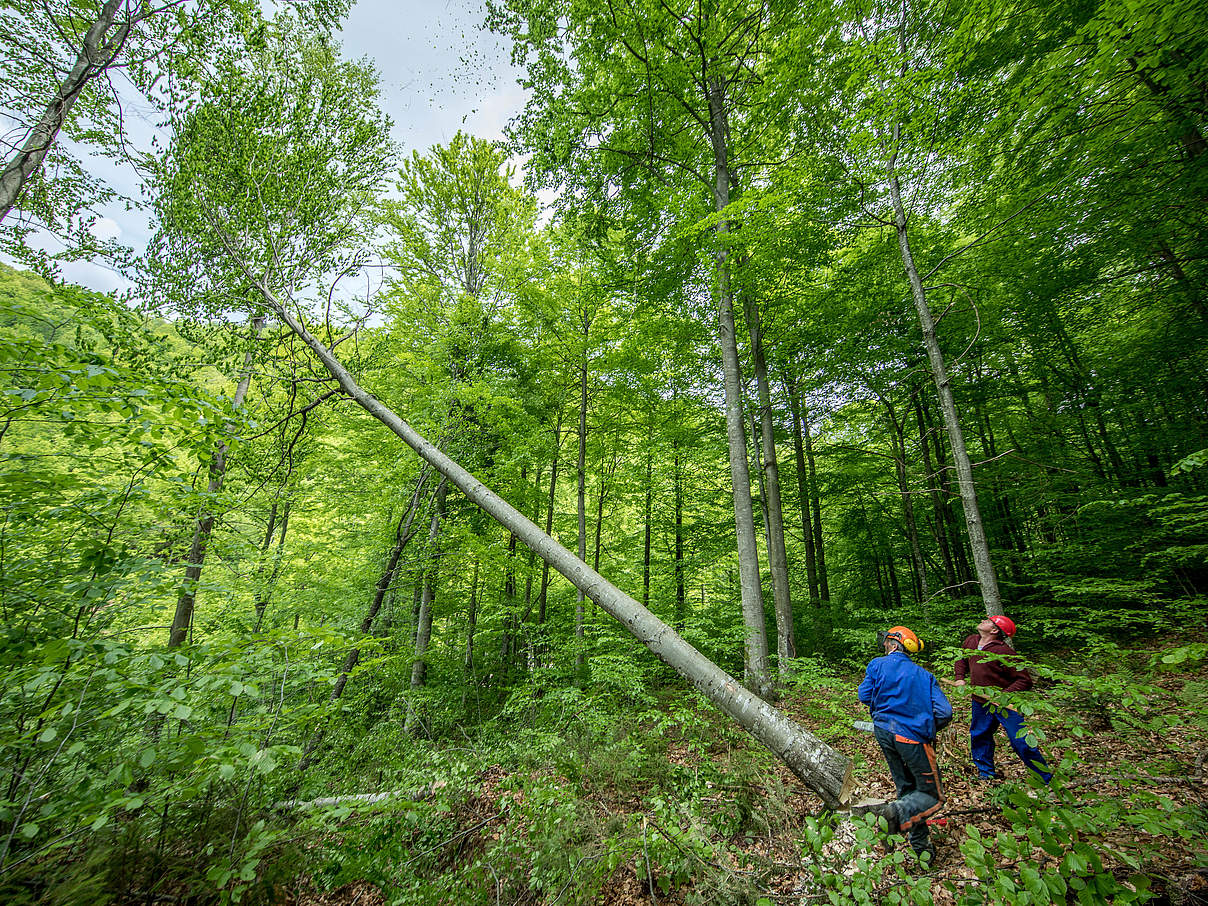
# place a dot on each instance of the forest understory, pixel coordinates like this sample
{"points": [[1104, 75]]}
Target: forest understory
{"points": [[671, 806]]}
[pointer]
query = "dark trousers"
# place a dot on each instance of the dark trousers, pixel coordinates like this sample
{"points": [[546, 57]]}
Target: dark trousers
{"points": [[985, 721], [916, 775]]}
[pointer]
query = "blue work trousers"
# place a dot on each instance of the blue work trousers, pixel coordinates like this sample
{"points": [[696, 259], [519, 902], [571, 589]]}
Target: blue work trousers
{"points": [[916, 776], [986, 719]]}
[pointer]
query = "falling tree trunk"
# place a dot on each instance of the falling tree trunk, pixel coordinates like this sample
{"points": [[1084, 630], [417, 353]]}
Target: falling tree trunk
{"points": [[102, 43], [183, 618], [756, 641], [807, 530], [778, 563], [819, 767], [982, 561]]}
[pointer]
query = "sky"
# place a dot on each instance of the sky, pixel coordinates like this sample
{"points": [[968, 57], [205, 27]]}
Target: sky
{"points": [[440, 72]]}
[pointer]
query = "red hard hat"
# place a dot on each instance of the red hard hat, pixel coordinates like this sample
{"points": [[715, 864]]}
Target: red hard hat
{"points": [[1006, 624]]}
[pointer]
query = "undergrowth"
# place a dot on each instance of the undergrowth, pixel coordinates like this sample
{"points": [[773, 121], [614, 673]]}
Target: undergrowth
{"points": [[573, 797]]}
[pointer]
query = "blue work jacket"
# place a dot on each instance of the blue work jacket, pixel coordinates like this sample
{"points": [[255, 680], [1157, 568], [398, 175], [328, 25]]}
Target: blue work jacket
{"points": [[904, 699]]}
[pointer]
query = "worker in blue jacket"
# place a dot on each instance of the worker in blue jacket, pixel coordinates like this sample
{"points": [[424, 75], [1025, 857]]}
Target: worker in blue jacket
{"points": [[908, 709]]}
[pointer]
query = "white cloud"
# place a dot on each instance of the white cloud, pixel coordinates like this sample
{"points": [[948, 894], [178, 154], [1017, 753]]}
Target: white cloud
{"points": [[106, 228]]}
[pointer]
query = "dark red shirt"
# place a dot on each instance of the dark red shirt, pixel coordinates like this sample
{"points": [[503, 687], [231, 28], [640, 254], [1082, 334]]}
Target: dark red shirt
{"points": [[981, 672]]}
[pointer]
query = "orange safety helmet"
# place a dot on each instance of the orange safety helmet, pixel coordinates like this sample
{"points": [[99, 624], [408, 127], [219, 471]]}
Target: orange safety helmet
{"points": [[908, 640]]}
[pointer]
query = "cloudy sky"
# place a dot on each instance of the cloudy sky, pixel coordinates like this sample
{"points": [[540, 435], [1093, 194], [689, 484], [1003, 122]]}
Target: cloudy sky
{"points": [[440, 72]]}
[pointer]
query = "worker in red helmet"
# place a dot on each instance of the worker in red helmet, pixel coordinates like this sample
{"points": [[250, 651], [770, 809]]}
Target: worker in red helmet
{"points": [[908, 708], [991, 638]]}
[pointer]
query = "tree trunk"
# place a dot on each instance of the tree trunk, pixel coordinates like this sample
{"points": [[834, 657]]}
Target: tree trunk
{"points": [[473, 620], [96, 55], [937, 494], [982, 561], [918, 568], [756, 641], [606, 476], [681, 595], [423, 628], [807, 531], [264, 590], [816, 764], [819, 546], [403, 533], [182, 620], [646, 539], [757, 468], [549, 519], [509, 589], [778, 562], [581, 503]]}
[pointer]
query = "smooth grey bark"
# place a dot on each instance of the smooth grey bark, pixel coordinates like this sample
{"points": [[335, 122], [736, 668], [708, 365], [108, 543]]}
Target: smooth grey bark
{"points": [[751, 592], [983, 564], [778, 562], [100, 48], [182, 620], [821, 768]]}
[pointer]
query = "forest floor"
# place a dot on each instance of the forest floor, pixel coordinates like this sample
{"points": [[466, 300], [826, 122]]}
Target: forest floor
{"points": [[1152, 769]]}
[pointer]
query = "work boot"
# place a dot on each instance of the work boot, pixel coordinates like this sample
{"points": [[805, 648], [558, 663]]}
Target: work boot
{"points": [[926, 855], [886, 810]]}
